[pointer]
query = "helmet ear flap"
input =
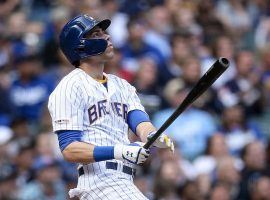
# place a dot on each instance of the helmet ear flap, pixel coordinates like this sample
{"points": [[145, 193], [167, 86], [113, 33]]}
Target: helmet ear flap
{"points": [[81, 46], [92, 47]]}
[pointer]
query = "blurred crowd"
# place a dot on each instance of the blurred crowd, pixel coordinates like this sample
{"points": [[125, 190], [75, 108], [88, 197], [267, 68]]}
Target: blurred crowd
{"points": [[162, 47]]}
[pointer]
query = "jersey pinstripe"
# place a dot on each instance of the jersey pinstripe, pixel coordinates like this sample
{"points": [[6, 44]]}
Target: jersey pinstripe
{"points": [[79, 102]]}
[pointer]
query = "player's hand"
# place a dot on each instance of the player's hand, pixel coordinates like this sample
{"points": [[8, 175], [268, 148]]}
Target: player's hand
{"points": [[163, 141], [133, 153]]}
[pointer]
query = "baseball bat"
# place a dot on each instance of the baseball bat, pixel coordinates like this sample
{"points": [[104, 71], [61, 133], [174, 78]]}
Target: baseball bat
{"points": [[201, 86]]}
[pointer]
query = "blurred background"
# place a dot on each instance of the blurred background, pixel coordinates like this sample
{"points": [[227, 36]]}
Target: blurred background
{"points": [[162, 47]]}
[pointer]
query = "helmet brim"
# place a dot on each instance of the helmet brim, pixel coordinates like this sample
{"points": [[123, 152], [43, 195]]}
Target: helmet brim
{"points": [[104, 24]]}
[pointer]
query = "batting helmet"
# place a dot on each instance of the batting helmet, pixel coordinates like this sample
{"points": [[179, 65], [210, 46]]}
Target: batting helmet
{"points": [[73, 42]]}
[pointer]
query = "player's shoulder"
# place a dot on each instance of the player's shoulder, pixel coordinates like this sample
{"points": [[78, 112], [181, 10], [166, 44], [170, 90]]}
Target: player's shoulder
{"points": [[118, 80], [68, 82], [72, 78]]}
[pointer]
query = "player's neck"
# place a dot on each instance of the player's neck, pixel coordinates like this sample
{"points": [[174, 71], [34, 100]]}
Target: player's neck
{"points": [[95, 70]]}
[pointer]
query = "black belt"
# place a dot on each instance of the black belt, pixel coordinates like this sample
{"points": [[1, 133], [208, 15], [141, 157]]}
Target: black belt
{"points": [[113, 165]]}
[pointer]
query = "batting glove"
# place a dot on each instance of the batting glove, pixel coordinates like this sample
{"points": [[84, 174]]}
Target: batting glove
{"points": [[133, 153], [163, 141]]}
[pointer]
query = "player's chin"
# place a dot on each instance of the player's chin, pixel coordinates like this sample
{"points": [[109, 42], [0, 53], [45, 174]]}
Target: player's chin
{"points": [[108, 54]]}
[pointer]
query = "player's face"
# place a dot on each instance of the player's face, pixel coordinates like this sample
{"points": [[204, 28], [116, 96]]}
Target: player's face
{"points": [[98, 33]]}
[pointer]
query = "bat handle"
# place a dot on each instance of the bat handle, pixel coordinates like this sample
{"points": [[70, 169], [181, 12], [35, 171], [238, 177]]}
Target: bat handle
{"points": [[147, 145], [152, 139]]}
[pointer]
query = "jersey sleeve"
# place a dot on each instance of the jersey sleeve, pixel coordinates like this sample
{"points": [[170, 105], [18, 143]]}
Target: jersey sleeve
{"points": [[134, 102], [66, 106]]}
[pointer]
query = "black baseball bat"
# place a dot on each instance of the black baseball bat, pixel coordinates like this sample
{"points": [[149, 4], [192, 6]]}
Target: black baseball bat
{"points": [[201, 86]]}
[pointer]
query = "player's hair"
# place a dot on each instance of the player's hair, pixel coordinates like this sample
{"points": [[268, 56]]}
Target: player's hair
{"points": [[76, 63]]}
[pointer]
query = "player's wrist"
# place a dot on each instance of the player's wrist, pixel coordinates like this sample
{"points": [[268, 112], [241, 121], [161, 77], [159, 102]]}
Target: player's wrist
{"points": [[102, 153], [118, 151]]}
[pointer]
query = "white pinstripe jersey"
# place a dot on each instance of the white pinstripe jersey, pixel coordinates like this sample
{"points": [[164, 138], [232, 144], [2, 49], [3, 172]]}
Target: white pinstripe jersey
{"points": [[79, 102]]}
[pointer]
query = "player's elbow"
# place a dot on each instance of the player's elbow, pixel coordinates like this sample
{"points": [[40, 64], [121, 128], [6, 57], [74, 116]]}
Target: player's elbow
{"points": [[68, 155], [78, 152]]}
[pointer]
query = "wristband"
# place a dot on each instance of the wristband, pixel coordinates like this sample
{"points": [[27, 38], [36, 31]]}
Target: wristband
{"points": [[102, 153]]}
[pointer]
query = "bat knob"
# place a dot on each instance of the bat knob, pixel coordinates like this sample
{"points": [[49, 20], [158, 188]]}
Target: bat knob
{"points": [[224, 62]]}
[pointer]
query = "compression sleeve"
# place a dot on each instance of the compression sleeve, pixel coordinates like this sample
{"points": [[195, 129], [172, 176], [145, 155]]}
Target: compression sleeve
{"points": [[135, 117], [100, 152], [66, 137]]}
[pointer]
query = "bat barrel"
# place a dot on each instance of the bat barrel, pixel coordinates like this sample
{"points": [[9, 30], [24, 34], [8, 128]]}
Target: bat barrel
{"points": [[203, 84], [224, 62]]}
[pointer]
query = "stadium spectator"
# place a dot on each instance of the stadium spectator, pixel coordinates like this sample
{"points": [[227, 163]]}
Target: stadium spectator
{"points": [[222, 46], [136, 48], [219, 192], [191, 73], [168, 179], [216, 148], [30, 90], [180, 51], [254, 157], [46, 185], [245, 87], [227, 173], [192, 129], [146, 84], [159, 30], [261, 189], [238, 130]]}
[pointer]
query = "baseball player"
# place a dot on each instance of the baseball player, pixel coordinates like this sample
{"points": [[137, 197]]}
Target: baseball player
{"points": [[92, 113]]}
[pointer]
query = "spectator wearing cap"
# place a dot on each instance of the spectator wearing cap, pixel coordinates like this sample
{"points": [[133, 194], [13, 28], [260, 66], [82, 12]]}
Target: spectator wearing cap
{"points": [[136, 48], [192, 129], [30, 89]]}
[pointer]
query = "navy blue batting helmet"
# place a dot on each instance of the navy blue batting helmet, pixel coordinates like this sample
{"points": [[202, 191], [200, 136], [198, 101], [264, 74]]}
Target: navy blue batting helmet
{"points": [[73, 42]]}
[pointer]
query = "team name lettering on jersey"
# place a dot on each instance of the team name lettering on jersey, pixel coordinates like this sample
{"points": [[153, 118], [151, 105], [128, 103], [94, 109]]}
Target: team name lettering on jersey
{"points": [[100, 109]]}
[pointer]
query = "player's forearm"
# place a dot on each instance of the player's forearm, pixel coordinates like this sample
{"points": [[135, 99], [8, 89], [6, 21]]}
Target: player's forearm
{"points": [[143, 129], [79, 152]]}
